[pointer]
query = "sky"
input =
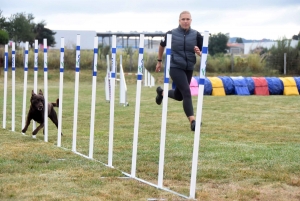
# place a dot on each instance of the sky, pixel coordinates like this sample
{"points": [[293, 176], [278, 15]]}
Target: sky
{"points": [[248, 19]]}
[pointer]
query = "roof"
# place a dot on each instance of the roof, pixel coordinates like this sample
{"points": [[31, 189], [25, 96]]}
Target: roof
{"points": [[131, 34], [241, 45]]}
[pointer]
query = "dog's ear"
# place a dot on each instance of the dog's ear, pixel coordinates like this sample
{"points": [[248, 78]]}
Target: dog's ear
{"points": [[32, 93], [40, 92]]}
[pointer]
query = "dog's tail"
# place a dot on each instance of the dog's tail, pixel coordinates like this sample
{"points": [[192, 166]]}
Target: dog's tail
{"points": [[56, 104]]}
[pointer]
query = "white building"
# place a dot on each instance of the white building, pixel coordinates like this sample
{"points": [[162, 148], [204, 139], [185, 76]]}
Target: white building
{"points": [[251, 46], [130, 39], [246, 48]]}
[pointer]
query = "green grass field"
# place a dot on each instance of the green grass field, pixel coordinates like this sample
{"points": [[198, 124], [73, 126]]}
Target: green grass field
{"points": [[249, 147]]}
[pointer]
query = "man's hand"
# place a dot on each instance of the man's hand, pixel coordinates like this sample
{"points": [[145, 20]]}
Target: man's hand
{"points": [[197, 51], [158, 66]]}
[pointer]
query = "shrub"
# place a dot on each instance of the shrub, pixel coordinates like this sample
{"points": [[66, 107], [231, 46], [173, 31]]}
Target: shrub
{"points": [[218, 63], [4, 38], [250, 63], [275, 58]]}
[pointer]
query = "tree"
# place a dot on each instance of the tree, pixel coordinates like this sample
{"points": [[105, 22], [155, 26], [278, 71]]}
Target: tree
{"points": [[41, 32], [239, 40], [105, 50], [129, 52], [21, 27], [4, 38], [296, 37], [217, 44], [2, 21], [276, 53]]}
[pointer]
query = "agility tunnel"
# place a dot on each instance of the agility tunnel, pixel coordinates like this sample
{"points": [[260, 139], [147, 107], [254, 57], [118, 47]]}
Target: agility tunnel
{"points": [[297, 80], [260, 86], [207, 85], [275, 85], [290, 87], [244, 86], [194, 86], [250, 85], [228, 85], [217, 86], [240, 86]]}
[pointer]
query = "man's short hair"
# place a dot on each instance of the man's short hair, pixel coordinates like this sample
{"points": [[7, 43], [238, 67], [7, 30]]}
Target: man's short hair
{"points": [[185, 12]]}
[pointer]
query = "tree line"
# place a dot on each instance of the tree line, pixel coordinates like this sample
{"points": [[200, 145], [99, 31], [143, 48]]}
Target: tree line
{"points": [[20, 27]]}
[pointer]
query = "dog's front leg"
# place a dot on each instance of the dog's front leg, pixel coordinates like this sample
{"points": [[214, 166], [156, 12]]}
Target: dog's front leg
{"points": [[38, 128], [53, 117], [27, 123]]}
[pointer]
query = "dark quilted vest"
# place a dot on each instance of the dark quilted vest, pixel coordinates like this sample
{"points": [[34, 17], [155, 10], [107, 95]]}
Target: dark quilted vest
{"points": [[182, 48]]}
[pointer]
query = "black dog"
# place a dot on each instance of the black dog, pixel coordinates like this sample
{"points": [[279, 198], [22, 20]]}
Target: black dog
{"points": [[36, 112]]}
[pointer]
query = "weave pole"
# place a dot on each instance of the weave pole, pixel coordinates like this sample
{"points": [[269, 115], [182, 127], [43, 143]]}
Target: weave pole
{"points": [[13, 85], [137, 105], [61, 89], [164, 113], [45, 91], [152, 81], [25, 84], [77, 69], [136, 123], [5, 86], [145, 77], [93, 104], [199, 116], [123, 86], [107, 80], [112, 99], [149, 79], [35, 68]]}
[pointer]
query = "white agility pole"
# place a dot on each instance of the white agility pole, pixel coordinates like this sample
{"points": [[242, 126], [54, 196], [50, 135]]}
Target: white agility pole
{"points": [[93, 104], [107, 80], [45, 91], [112, 99], [199, 116], [13, 85], [116, 72], [137, 105], [152, 81], [145, 77], [25, 84], [61, 89], [121, 99], [164, 113], [123, 86], [35, 68], [149, 79], [5, 86], [77, 69]]}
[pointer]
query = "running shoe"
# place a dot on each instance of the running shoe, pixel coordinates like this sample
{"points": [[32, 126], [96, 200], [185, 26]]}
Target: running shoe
{"points": [[159, 95]]}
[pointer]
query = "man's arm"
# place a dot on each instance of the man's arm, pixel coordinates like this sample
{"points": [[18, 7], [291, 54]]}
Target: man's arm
{"points": [[161, 50]]}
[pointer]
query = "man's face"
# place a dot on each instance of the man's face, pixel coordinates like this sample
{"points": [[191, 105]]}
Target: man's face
{"points": [[185, 21]]}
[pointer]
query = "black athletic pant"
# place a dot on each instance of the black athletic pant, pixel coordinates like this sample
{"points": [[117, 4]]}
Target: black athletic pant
{"points": [[182, 79]]}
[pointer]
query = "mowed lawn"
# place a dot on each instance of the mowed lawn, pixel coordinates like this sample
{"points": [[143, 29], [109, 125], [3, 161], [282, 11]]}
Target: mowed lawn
{"points": [[249, 147]]}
